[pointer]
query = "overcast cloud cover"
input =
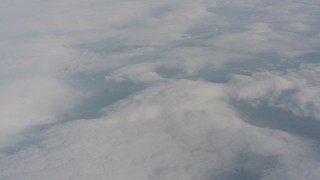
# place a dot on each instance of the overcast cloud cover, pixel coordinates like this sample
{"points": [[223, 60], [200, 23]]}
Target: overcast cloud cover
{"points": [[160, 90]]}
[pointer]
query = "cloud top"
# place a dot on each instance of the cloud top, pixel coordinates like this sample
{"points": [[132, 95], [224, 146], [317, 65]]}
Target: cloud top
{"points": [[159, 90]]}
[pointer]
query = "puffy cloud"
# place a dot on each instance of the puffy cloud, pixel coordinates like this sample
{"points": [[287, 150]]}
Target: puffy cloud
{"points": [[259, 86], [140, 73], [32, 101], [147, 90], [159, 134], [295, 90]]}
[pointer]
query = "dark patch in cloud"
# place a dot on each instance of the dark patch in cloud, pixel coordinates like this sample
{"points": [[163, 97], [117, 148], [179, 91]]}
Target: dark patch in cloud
{"points": [[102, 93], [266, 116], [249, 166]]}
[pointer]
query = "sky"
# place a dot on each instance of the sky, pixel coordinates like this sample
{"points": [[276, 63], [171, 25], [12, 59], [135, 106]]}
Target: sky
{"points": [[160, 90]]}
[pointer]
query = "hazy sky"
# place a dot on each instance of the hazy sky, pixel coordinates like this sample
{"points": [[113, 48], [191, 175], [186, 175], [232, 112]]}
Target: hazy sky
{"points": [[148, 90]]}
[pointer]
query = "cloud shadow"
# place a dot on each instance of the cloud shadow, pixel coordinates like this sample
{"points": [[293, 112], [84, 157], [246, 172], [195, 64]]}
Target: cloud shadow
{"points": [[266, 116]]}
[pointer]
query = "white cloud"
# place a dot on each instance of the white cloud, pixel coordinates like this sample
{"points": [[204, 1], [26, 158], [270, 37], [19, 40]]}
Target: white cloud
{"points": [[296, 90], [140, 73], [145, 90], [259, 86], [159, 134], [32, 101]]}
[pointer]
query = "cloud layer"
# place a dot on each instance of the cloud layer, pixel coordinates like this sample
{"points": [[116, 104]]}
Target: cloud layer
{"points": [[159, 90]]}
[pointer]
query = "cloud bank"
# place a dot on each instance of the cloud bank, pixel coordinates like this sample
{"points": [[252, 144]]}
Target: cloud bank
{"points": [[159, 90]]}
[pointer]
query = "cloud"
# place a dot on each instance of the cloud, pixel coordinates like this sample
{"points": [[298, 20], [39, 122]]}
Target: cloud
{"points": [[159, 90], [140, 73], [295, 90], [159, 134], [32, 101]]}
